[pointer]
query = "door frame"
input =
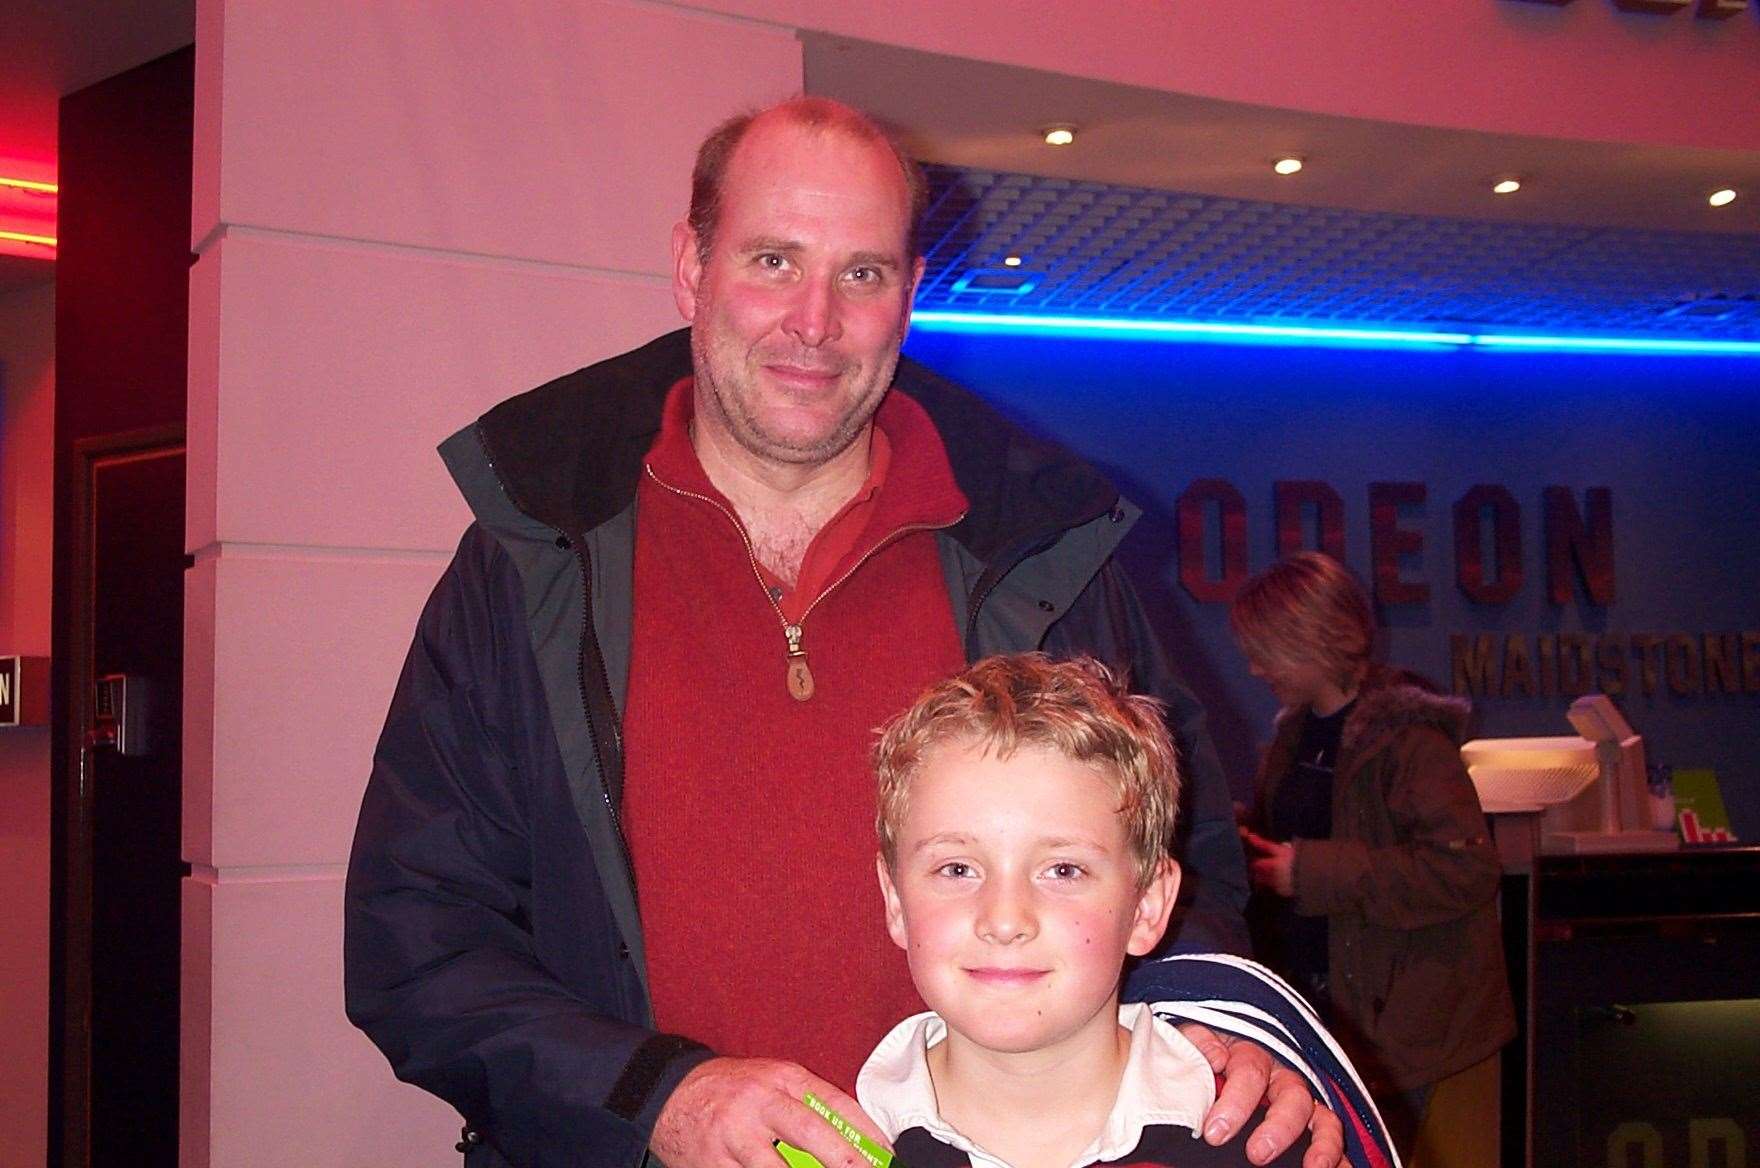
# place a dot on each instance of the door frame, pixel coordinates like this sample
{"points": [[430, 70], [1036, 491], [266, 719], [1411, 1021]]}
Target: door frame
{"points": [[70, 1015]]}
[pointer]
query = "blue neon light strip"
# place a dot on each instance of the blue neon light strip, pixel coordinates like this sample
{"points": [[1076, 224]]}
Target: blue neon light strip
{"points": [[1619, 344], [1027, 323]]}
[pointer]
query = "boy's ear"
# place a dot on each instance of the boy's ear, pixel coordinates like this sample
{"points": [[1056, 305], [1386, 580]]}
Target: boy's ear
{"points": [[894, 907], [1154, 906]]}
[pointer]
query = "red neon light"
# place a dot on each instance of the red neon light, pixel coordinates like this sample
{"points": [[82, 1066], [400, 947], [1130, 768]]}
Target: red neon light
{"points": [[21, 237], [27, 216]]}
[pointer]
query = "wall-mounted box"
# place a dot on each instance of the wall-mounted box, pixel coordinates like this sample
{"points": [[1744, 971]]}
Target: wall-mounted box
{"points": [[24, 691]]}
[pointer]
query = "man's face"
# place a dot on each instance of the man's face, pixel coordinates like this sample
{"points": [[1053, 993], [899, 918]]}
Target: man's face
{"points": [[799, 311], [1015, 895]]}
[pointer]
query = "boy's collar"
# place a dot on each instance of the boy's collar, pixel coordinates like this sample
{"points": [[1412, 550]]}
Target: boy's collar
{"points": [[1166, 1082]]}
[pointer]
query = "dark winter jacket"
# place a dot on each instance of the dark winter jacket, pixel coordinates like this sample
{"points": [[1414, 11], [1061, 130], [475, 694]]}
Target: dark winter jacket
{"points": [[1408, 882], [493, 947]]}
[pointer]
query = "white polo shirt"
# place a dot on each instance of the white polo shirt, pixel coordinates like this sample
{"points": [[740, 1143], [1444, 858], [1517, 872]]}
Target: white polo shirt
{"points": [[1166, 1082]]}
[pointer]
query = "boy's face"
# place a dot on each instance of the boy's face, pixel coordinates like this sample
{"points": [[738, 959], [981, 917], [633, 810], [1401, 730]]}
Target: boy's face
{"points": [[1015, 896]]}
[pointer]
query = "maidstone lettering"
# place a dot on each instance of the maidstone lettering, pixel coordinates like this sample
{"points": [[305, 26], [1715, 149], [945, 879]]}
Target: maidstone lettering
{"points": [[1515, 665]]}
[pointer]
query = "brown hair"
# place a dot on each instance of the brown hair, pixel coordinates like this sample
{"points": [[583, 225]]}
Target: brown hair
{"points": [[1077, 708], [818, 113], [1306, 607]]}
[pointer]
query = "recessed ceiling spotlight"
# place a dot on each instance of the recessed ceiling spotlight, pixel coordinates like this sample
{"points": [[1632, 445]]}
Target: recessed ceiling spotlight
{"points": [[1287, 165], [1507, 186], [1722, 198], [1012, 261], [1059, 135]]}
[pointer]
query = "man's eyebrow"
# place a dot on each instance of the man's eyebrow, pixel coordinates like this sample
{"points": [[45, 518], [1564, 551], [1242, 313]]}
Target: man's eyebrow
{"points": [[876, 259], [760, 243]]}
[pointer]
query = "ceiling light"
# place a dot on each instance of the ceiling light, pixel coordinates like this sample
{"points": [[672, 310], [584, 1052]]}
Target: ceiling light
{"points": [[1059, 135], [1507, 186], [1722, 198], [25, 184], [1289, 165], [1012, 261]]}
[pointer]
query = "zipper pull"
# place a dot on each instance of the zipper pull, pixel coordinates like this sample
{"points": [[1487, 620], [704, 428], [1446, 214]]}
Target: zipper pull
{"points": [[800, 675]]}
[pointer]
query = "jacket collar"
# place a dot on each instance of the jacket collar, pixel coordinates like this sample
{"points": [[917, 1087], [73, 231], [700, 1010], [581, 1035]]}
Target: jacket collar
{"points": [[1393, 700], [909, 475], [569, 453], [1389, 701]]}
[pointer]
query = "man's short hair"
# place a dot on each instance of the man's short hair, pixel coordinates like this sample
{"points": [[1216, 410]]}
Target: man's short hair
{"points": [[1077, 708], [818, 113], [1307, 607]]}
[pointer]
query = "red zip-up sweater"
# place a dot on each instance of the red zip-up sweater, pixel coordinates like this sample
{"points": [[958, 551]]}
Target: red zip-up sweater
{"points": [[749, 811]]}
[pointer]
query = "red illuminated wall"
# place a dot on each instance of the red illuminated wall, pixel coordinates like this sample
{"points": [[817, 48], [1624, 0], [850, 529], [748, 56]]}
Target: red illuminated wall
{"points": [[27, 407], [24, 211], [27, 217]]}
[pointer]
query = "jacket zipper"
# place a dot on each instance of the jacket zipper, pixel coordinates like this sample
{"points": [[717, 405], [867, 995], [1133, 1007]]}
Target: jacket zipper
{"points": [[987, 582], [600, 756], [604, 687], [800, 675]]}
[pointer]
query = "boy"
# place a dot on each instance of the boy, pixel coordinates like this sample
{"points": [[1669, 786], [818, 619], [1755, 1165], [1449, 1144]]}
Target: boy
{"points": [[1024, 809]]}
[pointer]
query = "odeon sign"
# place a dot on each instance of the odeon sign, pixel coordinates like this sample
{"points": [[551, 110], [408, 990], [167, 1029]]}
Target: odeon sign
{"points": [[1707, 9]]}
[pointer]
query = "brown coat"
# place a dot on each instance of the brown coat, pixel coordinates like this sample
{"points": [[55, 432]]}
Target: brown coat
{"points": [[1409, 883]]}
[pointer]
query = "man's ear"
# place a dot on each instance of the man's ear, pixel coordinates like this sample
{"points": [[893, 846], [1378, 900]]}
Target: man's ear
{"points": [[1154, 905], [894, 907], [917, 268], [687, 269]]}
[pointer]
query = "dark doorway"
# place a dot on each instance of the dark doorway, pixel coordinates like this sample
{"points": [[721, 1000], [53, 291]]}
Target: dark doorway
{"points": [[121, 867]]}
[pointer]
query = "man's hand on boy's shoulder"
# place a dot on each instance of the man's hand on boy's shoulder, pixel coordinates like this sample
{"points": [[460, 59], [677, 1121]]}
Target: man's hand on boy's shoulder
{"points": [[729, 1111], [1249, 1075]]}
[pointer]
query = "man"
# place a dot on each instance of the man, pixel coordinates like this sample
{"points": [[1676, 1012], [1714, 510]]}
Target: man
{"points": [[695, 581]]}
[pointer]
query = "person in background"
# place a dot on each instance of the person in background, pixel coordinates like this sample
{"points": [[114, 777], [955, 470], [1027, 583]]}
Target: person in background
{"points": [[1367, 831]]}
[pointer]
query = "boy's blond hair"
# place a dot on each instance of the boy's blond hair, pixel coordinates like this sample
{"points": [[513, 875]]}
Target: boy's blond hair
{"points": [[1077, 708]]}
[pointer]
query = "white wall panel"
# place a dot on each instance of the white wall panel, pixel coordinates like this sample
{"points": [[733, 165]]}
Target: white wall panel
{"points": [[290, 1083], [343, 367], [307, 655], [556, 130]]}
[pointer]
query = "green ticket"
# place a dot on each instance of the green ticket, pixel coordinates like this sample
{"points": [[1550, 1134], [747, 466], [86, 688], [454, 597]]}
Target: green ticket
{"points": [[876, 1155]]}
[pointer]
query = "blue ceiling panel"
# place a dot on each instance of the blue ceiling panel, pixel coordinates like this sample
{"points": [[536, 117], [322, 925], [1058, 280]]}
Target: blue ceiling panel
{"points": [[1016, 244]]}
